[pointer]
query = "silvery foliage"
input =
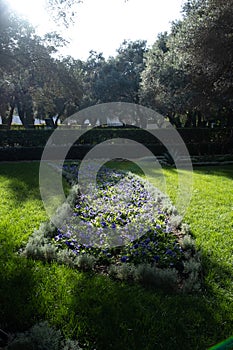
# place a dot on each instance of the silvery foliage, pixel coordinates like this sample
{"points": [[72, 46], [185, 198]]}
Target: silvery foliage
{"points": [[41, 337], [146, 274]]}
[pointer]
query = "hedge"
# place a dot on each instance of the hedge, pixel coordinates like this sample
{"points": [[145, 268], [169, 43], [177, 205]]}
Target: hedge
{"points": [[38, 137], [29, 144]]}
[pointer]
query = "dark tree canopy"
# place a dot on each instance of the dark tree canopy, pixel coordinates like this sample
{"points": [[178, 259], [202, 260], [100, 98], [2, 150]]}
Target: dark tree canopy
{"points": [[191, 71], [186, 75], [31, 80]]}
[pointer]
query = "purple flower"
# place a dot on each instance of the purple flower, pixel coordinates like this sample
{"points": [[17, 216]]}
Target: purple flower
{"points": [[169, 252], [58, 237], [103, 223], [124, 258]]}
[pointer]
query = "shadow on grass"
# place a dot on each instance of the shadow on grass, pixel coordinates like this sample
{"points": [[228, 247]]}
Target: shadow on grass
{"points": [[220, 170], [22, 180], [110, 314], [119, 316], [16, 287]]}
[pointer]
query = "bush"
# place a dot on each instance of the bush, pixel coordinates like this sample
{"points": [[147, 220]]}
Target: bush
{"points": [[147, 275], [187, 243], [41, 337], [165, 279], [124, 272], [192, 268], [40, 247], [29, 144]]}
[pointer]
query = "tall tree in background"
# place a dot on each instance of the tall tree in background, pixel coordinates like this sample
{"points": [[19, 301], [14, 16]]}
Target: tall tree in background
{"points": [[31, 80], [186, 75], [190, 71], [165, 78], [115, 79], [130, 64], [208, 41]]}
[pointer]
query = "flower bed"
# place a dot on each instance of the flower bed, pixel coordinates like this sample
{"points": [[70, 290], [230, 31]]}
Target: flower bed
{"points": [[123, 227]]}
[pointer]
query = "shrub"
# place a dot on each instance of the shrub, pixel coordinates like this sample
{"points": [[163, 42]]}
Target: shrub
{"points": [[165, 279], [41, 337], [29, 144], [40, 247], [124, 272], [86, 262], [146, 274], [192, 268], [187, 242]]}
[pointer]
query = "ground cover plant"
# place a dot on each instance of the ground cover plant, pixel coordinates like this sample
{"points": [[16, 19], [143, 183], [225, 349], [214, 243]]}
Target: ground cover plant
{"points": [[104, 313], [122, 226]]}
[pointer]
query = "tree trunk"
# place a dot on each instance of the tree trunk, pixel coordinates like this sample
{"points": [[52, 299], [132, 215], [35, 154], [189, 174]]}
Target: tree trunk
{"points": [[59, 114], [21, 114], [56, 120], [188, 122], [194, 119], [172, 119], [229, 118], [4, 117], [199, 119], [9, 120]]}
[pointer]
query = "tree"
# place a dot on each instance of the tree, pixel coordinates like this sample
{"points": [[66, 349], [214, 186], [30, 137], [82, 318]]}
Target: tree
{"points": [[62, 11], [206, 40], [64, 96], [30, 79], [164, 79], [116, 79], [189, 72], [130, 64]]}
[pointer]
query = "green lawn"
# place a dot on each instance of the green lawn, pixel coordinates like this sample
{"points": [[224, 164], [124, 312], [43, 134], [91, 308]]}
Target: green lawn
{"points": [[104, 314]]}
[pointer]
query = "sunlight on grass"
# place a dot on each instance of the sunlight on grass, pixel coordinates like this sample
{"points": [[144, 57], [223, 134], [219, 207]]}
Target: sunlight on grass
{"points": [[20, 207], [51, 197]]}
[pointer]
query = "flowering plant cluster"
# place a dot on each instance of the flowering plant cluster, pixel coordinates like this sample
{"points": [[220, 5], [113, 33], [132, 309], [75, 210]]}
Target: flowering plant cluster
{"points": [[123, 219]]}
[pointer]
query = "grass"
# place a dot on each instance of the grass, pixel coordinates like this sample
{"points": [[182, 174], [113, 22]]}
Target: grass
{"points": [[105, 314]]}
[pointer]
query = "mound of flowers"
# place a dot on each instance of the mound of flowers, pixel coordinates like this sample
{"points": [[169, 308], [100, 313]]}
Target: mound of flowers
{"points": [[123, 227]]}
